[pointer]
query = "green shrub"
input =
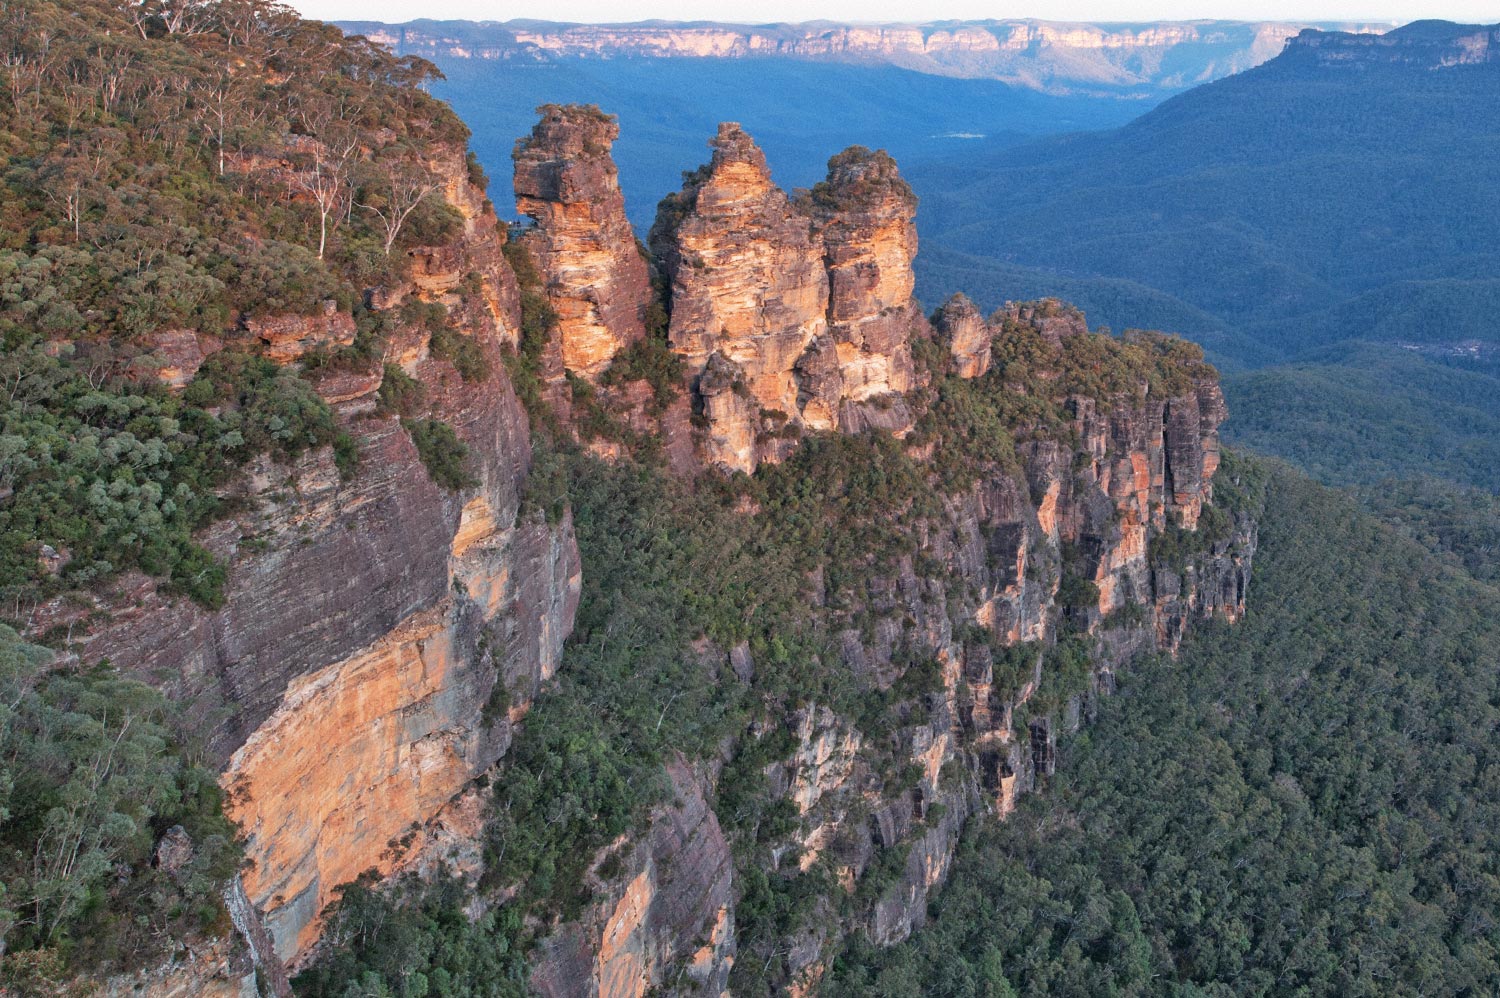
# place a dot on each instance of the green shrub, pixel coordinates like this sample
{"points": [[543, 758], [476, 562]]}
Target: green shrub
{"points": [[399, 392], [120, 476], [463, 352], [445, 457], [89, 777]]}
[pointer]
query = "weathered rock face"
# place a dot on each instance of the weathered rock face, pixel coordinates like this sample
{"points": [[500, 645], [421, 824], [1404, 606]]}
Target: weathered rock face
{"points": [[377, 742], [350, 686], [985, 600], [291, 337], [597, 280], [670, 912], [967, 336], [805, 305], [866, 214], [747, 278]]}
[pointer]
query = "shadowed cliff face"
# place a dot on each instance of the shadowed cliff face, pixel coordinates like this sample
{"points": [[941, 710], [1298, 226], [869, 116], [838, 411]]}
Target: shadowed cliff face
{"points": [[597, 280], [673, 906]]}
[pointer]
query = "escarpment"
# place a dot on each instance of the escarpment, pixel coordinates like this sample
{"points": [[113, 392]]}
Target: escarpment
{"points": [[381, 633], [1058, 519], [915, 553]]}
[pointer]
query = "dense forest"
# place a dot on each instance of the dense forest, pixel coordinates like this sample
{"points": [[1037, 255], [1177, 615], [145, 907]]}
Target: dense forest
{"points": [[1302, 804]]}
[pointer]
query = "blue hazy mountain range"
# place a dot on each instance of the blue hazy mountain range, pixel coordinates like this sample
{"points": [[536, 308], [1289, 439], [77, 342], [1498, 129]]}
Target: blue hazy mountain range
{"points": [[923, 92]]}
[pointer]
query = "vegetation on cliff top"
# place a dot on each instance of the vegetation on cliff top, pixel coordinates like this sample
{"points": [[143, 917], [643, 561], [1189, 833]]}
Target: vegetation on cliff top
{"points": [[182, 166]]}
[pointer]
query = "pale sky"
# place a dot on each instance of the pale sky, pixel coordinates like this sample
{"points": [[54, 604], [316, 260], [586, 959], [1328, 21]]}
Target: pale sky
{"points": [[765, 11]]}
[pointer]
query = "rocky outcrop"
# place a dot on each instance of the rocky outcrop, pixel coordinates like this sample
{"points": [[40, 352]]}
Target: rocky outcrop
{"points": [[802, 307], [866, 216], [1054, 320], [962, 329], [286, 338], [748, 285], [597, 280]]}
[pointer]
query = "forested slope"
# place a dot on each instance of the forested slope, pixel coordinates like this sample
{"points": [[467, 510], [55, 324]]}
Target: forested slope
{"points": [[1303, 805]]}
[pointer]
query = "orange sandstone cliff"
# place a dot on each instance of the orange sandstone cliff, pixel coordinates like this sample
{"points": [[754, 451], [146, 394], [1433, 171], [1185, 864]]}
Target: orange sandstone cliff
{"points": [[597, 282]]}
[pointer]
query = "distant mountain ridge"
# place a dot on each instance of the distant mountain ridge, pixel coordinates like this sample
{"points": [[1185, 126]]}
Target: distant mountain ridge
{"points": [[1052, 57], [1331, 212], [1430, 43], [1350, 170]]}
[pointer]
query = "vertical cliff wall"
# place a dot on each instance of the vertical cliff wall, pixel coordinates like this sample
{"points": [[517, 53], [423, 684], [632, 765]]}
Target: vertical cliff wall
{"points": [[866, 215]]}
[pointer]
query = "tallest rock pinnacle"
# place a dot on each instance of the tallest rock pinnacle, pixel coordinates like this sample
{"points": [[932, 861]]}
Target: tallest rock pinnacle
{"points": [[598, 283]]}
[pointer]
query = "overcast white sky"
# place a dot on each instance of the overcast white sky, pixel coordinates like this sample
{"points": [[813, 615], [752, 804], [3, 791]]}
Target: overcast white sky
{"points": [[763, 11]]}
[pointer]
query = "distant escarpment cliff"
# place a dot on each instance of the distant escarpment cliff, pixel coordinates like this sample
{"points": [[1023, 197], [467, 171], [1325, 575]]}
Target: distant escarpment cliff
{"points": [[1429, 44], [1056, 57], [553, 609]]}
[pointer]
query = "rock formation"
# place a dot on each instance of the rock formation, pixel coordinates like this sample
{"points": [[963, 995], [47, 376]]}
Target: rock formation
{"points": [[962, 329], [671, 911], [866, 215], [748, 287], [803, 309], [382, 637], [597, 281]]}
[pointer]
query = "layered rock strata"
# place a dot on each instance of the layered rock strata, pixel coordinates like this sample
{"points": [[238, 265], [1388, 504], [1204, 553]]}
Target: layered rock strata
{"points": [[379, 636], [597, 279], [749, 290], [866, 215], [382, 636]]}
